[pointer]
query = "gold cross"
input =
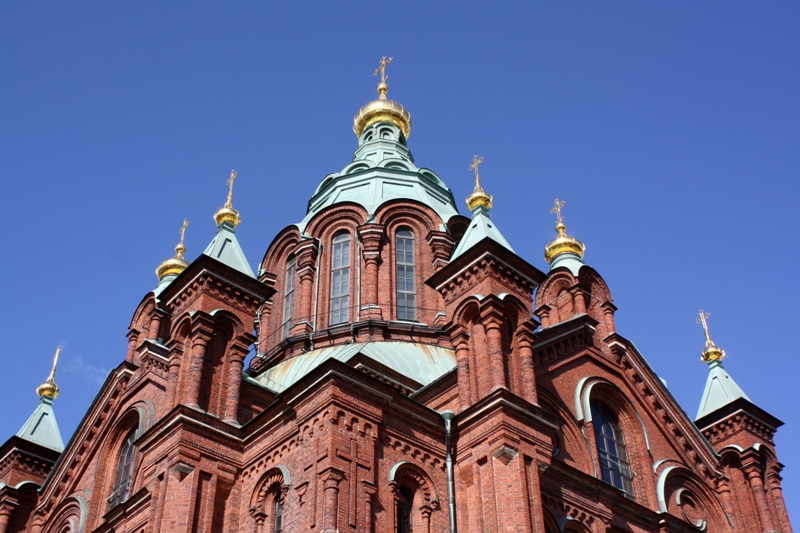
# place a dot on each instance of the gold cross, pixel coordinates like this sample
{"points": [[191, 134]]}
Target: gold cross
{"points": [[229, 202], [382, 68], [183, 228], [557, 205], [476, 160], [702, 320], [55, 362]]}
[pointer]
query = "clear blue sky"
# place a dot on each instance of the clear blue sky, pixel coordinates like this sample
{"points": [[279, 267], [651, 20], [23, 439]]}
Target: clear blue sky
{"points": [[671, 129]]}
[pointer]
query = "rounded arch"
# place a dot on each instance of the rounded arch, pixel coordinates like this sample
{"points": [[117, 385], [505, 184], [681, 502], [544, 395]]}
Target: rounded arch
{"points": [[140, 320], [70, 516], [281, 247], [583, 394], [328, 221], [417, 215], [414, 478], [576, 450], [277, 476], [684, 495], [268, 501], [129, 426], [467, 310], [225, 319]]}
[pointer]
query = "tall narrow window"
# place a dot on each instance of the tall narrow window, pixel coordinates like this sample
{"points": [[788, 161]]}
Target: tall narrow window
{"points": [[406, 276], [278, 516], [611, 449], [288, 299], [404, 506], [340, 279], [122, 477]]}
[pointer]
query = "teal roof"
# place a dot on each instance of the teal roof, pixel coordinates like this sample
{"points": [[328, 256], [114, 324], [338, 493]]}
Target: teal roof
{"points": [[382, 170], [420, 362], [42, 427], [480, 228], [225, 248], [567, 259], [720, 390]]}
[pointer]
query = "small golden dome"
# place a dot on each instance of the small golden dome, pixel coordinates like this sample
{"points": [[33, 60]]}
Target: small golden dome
{"points": [[228, 213], [478, 196], [49, 388], [175, 265], [563, 243], [712, 352], [382, 110]]}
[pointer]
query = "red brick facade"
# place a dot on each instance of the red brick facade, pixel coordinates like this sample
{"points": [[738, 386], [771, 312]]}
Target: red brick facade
{"points": [[350, 445]]}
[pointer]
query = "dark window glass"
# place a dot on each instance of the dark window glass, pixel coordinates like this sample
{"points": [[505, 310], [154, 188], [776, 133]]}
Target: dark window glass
{"points": [[278, 516], [406, 276], [404, 511], [288, 299], [340, 279], [611, 449], [124, 472]]}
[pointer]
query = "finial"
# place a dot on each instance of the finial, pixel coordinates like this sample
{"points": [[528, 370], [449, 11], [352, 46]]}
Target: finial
{"points": [[175, 265], [712, 352], [479, 197], [228, 213], [382, 87], [49, 388], [563, 243]]}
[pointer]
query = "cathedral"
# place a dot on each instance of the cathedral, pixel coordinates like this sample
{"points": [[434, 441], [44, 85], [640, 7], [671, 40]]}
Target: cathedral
{"points": [[406, 371]]}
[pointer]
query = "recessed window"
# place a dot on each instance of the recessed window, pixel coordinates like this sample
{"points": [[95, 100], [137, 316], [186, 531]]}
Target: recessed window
{"points": [[340, 279], [406, 276], [124, 472], [278, 514], [611, 449], [404, 506], [288, 298]]}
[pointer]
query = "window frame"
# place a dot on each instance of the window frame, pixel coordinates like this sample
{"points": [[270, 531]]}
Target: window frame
{"points": [[288, 296], [612, 450], [340, 244], [123, 473], [402, 277]]}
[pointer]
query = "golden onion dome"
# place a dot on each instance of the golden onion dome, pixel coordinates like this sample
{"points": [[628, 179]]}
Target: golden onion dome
{"points": [[563, 243], [382, 110], [712, 352], [174, 265], [228, 213], [49, 388], [478, 196]]}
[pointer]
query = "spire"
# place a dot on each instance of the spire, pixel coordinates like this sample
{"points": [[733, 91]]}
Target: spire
{"points": [[41, 427], [174, 265], [479, 202], [382, 110], [564, 250], [228, 213], [720, 389], [225, 246]]}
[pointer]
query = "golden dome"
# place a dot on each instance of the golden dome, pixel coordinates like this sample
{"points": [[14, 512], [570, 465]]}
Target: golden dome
{"points": [[478, 196], [382, 110], [563, 243], [228, 213], [49, 387], [712, 352], [174, 265]]}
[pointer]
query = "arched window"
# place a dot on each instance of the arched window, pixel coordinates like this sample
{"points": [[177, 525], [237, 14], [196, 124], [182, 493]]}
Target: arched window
{"points": [[124, 472], [406, 275], [404, 506], [611, 449], [288, 298], [340, 279]]}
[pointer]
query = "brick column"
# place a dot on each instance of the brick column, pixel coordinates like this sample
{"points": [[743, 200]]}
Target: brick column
{"points": [[492, 319], [236, 364], [525, 343], [425, 512], [544, 315], [330, 506], [191, 393], [306, 264], [259, 519], [173, 373], [725, 499], [578, 300], [460, 339], [371, 237], [155, 324], [369, 494], [442, 245], [608, 316], [776, 493], [753, 473], [5, 515]]}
